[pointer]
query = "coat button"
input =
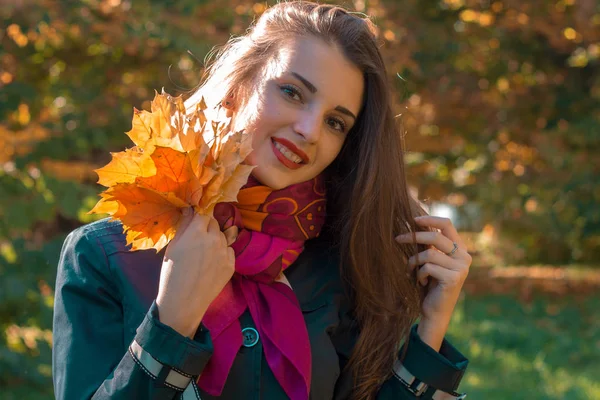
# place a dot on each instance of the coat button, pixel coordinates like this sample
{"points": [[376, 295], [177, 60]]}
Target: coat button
{"points": [[250, 336]]}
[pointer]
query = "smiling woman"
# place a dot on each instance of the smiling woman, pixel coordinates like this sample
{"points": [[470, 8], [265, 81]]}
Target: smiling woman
{"points": [[309, 285], [299, 114]]}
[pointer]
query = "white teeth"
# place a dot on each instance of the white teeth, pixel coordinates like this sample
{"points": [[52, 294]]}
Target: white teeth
{"points": [[288, 153]]}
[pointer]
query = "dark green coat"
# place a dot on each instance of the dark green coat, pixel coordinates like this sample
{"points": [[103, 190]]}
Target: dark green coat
{"points": [[105, 299]]}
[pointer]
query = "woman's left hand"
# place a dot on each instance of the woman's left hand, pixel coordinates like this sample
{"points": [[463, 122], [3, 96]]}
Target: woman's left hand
{"points": [[443, 269]]}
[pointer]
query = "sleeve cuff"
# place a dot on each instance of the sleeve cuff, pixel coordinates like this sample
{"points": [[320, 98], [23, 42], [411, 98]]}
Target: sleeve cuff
{"points": [[171, 348], [442, 370]]}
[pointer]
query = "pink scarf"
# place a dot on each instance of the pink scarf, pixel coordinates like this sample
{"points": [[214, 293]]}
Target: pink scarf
{"points": [[273, 226]]}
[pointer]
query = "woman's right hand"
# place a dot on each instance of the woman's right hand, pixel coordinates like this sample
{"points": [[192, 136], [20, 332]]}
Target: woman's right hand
{"points": [[197, 265]]}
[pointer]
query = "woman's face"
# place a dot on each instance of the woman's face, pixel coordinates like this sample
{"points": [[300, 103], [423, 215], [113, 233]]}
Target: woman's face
{"points": [[301, 112]]}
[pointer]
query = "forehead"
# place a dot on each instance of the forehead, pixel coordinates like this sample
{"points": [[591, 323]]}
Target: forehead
{"points": [[337, 80]]}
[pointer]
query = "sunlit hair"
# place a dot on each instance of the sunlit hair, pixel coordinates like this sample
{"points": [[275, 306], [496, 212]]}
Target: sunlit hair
{"points": [[368, 200]]}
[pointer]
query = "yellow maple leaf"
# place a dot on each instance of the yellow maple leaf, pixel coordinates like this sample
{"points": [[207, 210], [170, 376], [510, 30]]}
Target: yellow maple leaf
{"points": [[168, 125], [170, 168], [232, 186], [125, 167]]}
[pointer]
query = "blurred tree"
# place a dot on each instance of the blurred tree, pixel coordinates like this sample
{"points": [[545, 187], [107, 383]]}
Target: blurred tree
{"points": [[70, 75], [502, 107]]}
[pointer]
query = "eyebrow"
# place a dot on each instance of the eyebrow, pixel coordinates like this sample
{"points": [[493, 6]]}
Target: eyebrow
{"points": [[313, 89]]}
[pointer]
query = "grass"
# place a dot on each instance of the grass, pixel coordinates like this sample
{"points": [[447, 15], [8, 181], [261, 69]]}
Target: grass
{"points": [[548, 348]]}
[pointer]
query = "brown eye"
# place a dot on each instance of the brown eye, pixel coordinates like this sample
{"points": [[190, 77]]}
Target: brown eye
{"points": [[337, 124]]}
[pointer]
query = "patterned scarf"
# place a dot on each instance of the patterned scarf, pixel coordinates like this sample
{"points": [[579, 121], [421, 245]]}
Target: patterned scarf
{"points": [[273, 226]]}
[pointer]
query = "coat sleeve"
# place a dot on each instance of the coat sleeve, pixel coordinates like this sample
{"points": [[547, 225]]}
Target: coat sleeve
{"points": [[425, 373], [90, 359], [422, 373]]}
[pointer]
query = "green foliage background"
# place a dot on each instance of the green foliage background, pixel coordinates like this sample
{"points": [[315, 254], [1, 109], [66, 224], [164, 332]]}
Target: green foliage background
{"points": [[500, 100]]}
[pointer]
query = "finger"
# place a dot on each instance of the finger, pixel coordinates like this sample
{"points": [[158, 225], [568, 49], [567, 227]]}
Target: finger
{"points": [[187, 215], [443, 224], [437, 239], [231, 234], [435, 257], [199, 222], [231, 255], [435, 271], [213, 225]]}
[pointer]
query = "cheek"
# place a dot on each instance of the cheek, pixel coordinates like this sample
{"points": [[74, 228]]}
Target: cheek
{"points": [[331, 149], [261, 143], [261, 125]]}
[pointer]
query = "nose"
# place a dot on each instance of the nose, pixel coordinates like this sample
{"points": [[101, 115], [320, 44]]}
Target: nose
{"points": [[308, 124]]}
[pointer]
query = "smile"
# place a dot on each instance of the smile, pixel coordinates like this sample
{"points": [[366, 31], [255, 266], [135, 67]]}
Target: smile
{"points": [[288, 154]]}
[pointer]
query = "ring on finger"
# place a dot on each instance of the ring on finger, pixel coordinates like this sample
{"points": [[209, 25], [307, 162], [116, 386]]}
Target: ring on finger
{"points": [[451, 253]]}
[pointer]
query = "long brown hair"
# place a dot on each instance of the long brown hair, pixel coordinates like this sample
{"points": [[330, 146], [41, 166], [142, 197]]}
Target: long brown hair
{"points": [[368, 200]]}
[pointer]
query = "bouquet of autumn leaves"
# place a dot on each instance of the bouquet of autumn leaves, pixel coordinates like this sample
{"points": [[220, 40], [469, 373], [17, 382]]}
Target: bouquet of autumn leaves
{"points": [[171, 168]]}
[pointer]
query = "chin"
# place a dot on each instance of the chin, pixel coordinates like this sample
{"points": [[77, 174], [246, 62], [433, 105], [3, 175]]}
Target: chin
{"points": [[269, 180]]}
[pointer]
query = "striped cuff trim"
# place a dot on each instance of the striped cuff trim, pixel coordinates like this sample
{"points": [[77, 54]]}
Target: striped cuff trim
{"points": [[175, 379], [418, 388]]}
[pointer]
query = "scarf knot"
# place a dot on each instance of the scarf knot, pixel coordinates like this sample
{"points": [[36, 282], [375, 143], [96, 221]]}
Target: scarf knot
{"points": [[272, 228]]}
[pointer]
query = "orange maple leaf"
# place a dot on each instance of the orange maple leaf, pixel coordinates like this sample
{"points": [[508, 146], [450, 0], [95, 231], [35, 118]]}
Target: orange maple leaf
{"points": [[174, 173], [171, 168]]}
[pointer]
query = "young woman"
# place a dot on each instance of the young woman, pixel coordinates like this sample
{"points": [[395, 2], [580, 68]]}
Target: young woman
{"points": [[317, 293]]}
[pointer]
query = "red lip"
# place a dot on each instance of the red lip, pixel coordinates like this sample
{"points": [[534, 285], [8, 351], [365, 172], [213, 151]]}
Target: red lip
{"points": [[283, 159], [293, 148]]}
